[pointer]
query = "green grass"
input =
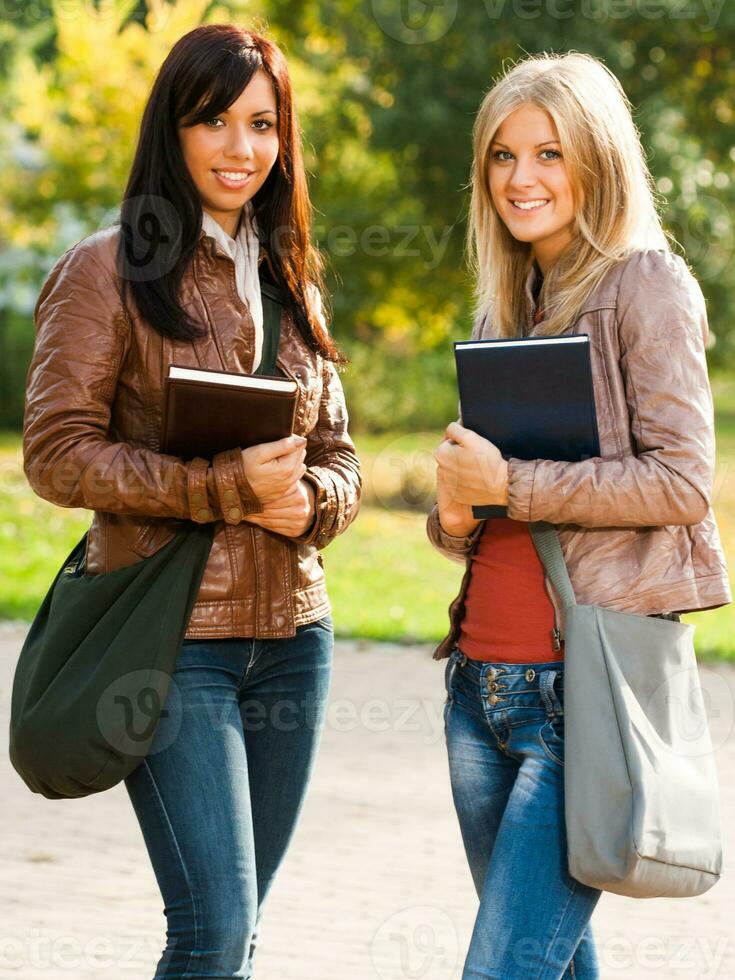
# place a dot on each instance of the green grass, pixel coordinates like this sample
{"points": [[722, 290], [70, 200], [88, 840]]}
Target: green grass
{"points": [[385, 580]]}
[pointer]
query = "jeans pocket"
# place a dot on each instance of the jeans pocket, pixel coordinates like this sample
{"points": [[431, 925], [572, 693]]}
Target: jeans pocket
{"points": [[551, 738]]}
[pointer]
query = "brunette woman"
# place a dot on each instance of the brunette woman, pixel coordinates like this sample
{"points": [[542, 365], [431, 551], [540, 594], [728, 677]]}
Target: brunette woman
{"points": [[566, 239], [216, 206]]}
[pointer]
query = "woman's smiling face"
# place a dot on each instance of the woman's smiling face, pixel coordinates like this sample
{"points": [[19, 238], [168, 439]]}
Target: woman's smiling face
{"points": [[529, 184], [230, 156]]}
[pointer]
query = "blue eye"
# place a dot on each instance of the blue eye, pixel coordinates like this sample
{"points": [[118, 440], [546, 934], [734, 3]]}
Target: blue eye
{"points": [[497, 155]]}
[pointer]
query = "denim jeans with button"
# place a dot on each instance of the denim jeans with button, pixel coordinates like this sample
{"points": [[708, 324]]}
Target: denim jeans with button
{"points": [[504, 729], [218, 795]]}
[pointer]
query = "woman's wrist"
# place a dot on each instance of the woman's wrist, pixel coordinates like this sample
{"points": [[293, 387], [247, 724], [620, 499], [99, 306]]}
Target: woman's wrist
{"points": [[458, 521]]}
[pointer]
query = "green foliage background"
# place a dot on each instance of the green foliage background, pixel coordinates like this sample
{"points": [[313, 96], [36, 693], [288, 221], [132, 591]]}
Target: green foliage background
{"points": [[387, 93]]}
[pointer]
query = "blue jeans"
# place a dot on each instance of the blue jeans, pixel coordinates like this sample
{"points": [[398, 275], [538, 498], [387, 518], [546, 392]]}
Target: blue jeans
{"points": [[219, 793], [504, 728]]}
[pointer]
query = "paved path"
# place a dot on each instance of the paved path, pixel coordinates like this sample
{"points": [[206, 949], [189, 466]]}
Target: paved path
{"points": [[375, 886]]}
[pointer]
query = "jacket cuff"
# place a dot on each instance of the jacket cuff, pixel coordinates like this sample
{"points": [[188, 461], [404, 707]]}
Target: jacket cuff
{"points": [[249, 501], [236, 497], [521, 474], [196, 490]]}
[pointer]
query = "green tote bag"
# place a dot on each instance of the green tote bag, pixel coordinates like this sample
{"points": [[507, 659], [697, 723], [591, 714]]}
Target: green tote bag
{"points": [[94, 672], [95, 668]]}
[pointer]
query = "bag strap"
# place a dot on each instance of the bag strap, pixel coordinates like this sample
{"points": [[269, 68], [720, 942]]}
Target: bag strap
{"points": [[271, 292], [272, 299], [549, 551]]}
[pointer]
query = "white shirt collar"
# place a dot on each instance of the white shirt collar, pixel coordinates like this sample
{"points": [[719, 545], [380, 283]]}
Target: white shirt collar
{"points": [[244, 250]]}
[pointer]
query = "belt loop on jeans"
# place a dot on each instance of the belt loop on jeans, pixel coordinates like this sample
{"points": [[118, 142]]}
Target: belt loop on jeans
{"points": [[548, 695]]}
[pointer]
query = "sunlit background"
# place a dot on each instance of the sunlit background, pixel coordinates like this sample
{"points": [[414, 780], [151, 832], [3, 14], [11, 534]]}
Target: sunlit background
{"points": [[387, 93]]}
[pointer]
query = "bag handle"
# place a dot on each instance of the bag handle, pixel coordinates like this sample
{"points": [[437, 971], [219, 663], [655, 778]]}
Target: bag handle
{"points": [[549, 551], [272, 300]]}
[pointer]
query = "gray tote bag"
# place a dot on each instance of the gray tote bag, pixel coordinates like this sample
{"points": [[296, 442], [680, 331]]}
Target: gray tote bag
{"points": [[642, 808]]}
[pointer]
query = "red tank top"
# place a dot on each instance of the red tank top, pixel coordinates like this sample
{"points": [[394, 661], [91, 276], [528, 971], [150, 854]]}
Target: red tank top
{"points": [[509, 616]]}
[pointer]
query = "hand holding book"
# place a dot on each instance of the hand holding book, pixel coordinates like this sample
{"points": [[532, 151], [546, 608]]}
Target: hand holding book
{"points": [[292, 515], [210, 411], [274, 468], [470, 470], [274, 471]]}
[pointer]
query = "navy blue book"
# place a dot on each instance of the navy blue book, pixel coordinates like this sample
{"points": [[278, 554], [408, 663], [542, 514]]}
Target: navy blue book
{"points": [[530, 396]]}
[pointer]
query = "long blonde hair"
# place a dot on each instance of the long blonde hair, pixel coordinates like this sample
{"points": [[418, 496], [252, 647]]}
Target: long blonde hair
{"points": [[615, 214]]}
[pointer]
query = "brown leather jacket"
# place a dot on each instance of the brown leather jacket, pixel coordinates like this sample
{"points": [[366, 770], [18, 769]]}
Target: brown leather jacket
{"points": [[92, 431], [635, 524]]}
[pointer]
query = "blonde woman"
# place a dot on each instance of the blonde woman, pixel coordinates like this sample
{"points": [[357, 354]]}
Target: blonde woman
{"points": [[565, 238]]}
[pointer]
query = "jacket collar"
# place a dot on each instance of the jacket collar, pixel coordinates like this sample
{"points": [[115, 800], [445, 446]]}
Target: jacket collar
{"points": [[213, 247]]}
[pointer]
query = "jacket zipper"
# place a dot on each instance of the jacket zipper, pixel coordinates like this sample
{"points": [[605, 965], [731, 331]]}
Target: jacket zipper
{"points": [[556, 633]]}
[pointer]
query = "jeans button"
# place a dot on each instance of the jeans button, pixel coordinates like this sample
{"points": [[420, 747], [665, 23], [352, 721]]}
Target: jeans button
{"points": [[530, 674], [493, 698], [492, 686]]}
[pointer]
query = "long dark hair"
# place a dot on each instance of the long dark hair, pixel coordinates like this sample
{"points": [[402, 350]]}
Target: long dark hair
{"points": [[161, 214]]}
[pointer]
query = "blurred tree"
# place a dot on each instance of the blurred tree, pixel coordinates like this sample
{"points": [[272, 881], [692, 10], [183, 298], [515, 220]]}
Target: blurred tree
{"points": [[429, 65], [387, 94]]}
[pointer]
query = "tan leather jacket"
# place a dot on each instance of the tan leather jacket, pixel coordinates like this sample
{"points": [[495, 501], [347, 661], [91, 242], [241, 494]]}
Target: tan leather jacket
{"points": [[92, 427], [635, 524]]}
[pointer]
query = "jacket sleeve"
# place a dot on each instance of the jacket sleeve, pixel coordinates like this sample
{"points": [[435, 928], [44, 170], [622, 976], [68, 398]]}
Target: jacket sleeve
{"points": [[456, 548], [662, 328], [332, 464], [82, 338]]}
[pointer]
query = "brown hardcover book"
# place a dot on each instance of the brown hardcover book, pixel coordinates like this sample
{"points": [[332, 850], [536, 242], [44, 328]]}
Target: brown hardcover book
{"points": [[207, 412]]}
